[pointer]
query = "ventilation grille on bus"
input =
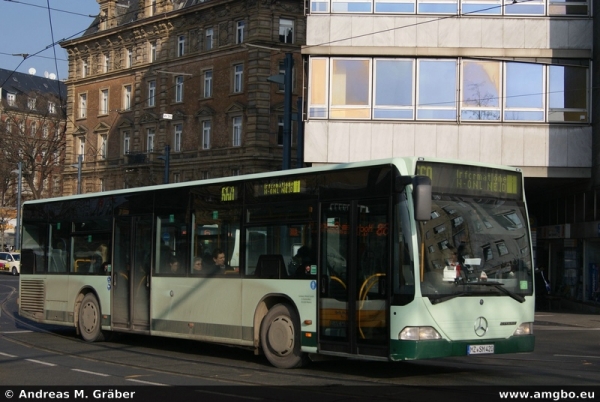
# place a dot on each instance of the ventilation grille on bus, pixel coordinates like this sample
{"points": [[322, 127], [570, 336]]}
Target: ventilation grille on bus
{"points": [[32, 297]]}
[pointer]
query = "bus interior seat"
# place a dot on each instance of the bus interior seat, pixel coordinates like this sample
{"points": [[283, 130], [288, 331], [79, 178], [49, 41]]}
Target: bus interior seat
{"points": [[58, 261], [271, 266]]}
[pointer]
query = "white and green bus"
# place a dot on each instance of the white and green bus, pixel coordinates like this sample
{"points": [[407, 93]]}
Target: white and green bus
{"points": [[399, 259]]}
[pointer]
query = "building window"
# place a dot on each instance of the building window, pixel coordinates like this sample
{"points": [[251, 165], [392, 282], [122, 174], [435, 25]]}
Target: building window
{"points": [[176, 178], [205, 175], [102, 184], [567, 7], [180, 45], [45, 131], [32, 129], [151, 92], [206, 128], [237, 131], [350, 88], [568, 94], [530, 7], [152, 52], [150, 133], [11, 99], [103, 145], [127, 97], [238, 76], [281, 87], [280, 131], [481, 90], [178, 130], [106, 65], [152, 8], [31, 103], [128, 58], [208, 90], [179, 88], [393, 89], [81, 148], [524, 97], [82, 105], [126, 142], [353, 6], [84, 69], [436, 90], [235, 172], [208, 40], [51, 107], [286, 29], [103, 101], [239, 38], [8, 123]]}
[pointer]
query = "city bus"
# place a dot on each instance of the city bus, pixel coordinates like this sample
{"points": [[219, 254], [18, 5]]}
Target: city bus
{"points": [[391, 260]]}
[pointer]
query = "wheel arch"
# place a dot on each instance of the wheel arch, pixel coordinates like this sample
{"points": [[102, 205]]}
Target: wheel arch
{"points": [[263, 307]]}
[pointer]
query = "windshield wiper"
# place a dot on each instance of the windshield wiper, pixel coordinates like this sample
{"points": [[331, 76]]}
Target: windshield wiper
{"points": [[442, 299], [500, 287], [497, 285]]}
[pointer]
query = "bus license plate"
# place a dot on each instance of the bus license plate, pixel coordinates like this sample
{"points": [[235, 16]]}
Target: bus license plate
{"points": [[480, 349]]}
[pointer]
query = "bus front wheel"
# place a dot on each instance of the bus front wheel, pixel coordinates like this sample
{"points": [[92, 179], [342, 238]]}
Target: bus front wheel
{"points": [[90, 319], [280, 337]]}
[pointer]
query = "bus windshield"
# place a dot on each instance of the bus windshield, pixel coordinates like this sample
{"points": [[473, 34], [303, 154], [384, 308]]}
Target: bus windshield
{"points": [[475, 247]]}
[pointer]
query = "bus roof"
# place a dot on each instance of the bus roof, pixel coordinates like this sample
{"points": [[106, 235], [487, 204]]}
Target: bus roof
{"points": [[406, 166]]}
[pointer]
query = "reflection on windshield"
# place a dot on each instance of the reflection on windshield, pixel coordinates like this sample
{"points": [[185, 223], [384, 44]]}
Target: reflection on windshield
{"points": [[474, 240]]}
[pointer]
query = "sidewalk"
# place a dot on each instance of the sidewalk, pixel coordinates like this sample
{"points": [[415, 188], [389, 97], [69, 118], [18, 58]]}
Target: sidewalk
{"points": [[567, 318]]}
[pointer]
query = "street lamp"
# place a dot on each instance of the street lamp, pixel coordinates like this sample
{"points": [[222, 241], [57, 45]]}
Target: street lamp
{"points": [[18, 224], [166, 158], [78, 166]]}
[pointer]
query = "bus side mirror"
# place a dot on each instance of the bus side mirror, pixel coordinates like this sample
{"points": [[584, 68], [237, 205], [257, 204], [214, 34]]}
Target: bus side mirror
{"points": [[422, 197]]}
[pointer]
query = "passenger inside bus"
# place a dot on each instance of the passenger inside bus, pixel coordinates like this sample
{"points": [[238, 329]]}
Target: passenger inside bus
{"points": [[197, 267], [174, 266], [218, 265]]}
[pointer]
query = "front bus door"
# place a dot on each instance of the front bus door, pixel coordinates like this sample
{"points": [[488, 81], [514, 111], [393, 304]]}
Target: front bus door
{"points": [[131, 273], [353, 296]]}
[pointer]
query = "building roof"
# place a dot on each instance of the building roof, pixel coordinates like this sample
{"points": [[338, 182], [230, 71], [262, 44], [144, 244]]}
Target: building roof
{"points": [[127, 12], [21, 83]]}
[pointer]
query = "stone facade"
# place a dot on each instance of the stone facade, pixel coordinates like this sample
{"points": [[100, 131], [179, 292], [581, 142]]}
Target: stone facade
{"points": [[138, 83]]}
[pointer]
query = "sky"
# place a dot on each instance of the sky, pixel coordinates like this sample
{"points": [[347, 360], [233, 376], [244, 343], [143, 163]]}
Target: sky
{"points": [[25, 29]]}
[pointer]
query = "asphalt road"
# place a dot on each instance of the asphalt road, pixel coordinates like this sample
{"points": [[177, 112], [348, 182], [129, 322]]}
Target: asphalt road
{"points": [[567, 354]]}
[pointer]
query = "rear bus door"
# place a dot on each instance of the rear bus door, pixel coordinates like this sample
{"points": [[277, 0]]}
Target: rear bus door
{"points": [[131, 273]]}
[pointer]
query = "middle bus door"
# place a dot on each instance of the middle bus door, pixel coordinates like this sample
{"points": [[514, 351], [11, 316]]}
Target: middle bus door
{"points": [[353, 290], [131, 273]]}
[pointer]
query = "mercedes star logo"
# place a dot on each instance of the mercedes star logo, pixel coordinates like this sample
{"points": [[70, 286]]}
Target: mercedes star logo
{"points": [[481, 326]]}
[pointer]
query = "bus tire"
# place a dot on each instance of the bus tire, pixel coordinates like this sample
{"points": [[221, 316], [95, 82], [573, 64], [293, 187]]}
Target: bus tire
{"points": [[280, 337], [90, 319]]}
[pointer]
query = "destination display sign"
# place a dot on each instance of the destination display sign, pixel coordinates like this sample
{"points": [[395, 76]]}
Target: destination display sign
{"points": [[472, 180], [229, 193], [278, 187]]}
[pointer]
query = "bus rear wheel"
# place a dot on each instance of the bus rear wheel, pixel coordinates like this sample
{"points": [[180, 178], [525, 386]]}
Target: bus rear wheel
{"points": [[90, 319], [280, 337]]}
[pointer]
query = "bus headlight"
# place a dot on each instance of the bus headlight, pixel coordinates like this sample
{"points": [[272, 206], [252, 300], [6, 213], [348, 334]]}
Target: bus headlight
{"points": [[418, 334], [524, 329]]}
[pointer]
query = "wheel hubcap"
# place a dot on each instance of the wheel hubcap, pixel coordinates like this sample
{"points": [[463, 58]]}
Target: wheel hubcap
{"points": [[281, 336], [88, 317]]}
